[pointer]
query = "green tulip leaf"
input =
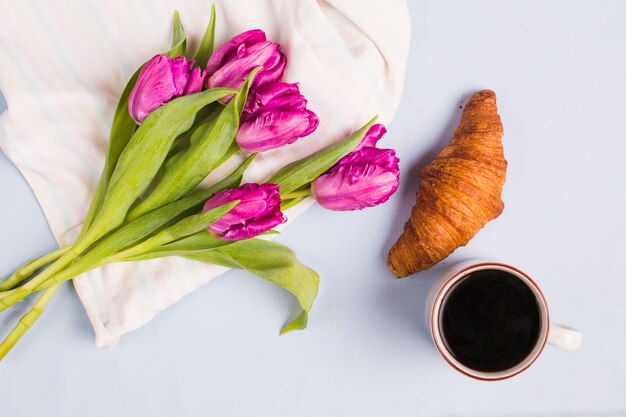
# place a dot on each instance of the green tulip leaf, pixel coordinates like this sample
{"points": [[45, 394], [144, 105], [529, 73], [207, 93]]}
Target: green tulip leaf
{"points": [[273, 262], [183, 228], [179, 39], [298, 323], [122, 130], [303, 171], [209, 143], [199, 241], [287, 204], [140, 161], [241, 98], [232, 151], [205, 49], [101, 255], [145, 226]]}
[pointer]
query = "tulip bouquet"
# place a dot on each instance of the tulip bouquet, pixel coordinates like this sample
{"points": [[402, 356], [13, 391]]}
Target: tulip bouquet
{"points": [[179, 118]]}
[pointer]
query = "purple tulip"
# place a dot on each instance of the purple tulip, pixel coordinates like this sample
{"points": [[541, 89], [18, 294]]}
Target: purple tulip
{"points": [[161, 80], [275, 116], [196, 80], [366, 177], [258, 211], [232, 62]]}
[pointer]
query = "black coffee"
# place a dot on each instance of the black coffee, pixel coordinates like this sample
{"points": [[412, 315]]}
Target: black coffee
{"points": [[490, 320]]}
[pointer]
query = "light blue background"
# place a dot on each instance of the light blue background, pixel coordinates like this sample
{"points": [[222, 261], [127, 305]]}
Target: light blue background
{"points": [[559, 69]]}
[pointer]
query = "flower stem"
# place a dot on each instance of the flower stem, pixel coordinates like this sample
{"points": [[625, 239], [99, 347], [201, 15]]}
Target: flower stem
{"points": [[26, 322], [29, 268], [287, 204], [79, 267], [297, 194], [18, 294]]}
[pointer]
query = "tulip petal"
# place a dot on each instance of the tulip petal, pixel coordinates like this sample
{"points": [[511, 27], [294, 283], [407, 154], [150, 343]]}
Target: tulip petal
{"points": [[196, 80], [262, 97], [233, 73], [225, 52], [179, 69], [257, 212], [254, 228], [372, 136], [366, 177], [275, 116], [243, 59], [274, 129], [349, 191], [160, 80], [272, 71]]}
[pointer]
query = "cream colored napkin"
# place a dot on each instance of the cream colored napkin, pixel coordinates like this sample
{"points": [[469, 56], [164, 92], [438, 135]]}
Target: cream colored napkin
{"points": [[63, 66]]}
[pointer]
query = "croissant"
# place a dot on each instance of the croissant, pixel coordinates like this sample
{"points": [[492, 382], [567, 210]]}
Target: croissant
{"points": [[460, 191]]}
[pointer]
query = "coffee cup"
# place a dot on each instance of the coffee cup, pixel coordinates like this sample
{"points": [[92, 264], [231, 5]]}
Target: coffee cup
{"points": [[490, 321]]}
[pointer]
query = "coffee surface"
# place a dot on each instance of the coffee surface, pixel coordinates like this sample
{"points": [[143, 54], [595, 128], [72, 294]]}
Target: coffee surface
{"points": [[490, 320]]}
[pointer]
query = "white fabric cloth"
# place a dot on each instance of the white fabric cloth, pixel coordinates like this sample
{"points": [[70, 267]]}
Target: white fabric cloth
{"points": [[64, 64]]}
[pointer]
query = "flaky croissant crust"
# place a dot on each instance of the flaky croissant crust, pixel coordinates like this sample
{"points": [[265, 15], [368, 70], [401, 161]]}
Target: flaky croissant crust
{"points": [[460, 190]]}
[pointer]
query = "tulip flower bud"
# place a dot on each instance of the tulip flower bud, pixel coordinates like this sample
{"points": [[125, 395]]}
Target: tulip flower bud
{"points": [[232, 62], [275, 116], [366, 177], [161, 80], [258, 211]]}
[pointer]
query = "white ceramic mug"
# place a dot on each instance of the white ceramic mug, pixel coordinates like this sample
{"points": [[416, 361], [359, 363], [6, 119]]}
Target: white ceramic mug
{"points": [[555, 334]]}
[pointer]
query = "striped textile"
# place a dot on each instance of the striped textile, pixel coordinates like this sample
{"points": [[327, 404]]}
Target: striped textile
{"points": [[63, 65]]}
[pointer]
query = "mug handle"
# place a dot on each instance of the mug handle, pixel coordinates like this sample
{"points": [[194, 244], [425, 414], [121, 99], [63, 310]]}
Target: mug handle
{"points": [[564, 337]]}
